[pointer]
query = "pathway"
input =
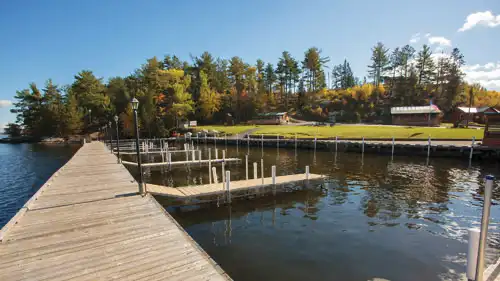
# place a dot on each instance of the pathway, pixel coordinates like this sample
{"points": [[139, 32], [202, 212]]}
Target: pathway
{"points": [[88, 223]]}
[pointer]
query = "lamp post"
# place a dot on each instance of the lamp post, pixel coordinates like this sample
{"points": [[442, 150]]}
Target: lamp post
{"points": [[110, 136], [135, 105], [90, 119], [105, 134], [117, 139]]}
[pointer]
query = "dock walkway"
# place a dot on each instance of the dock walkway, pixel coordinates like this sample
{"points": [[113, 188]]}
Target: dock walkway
{"points": [[87, 222], [219, 188]]}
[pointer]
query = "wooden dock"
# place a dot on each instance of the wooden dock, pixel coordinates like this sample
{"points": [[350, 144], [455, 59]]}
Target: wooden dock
{"points": [[183, 163], [219, 188], [87, 222], [156, 152]]}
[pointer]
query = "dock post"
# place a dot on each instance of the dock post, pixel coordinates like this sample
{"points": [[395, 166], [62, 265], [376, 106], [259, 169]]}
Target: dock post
{"points": [[224, 155], [392, 152], [472, 251], [472, 147], [215, 140], [315, 140], [216, 153], [199, 156], [214, 173], [255, 170], [223, 171], [429, 147], [225, 141], [246, 166], [262, 144], [336, 143], [295, 143], [228, 184], [307, 172], [278, 141], [187, 152], [363, 146], [209, 166], [273, 176], [484, 227], [248, 144], [262, 170], [193, 152]]}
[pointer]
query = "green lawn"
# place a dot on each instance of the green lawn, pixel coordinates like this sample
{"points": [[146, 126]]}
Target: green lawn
{"points": [[371, 132], [229, 130], [347, 131]]}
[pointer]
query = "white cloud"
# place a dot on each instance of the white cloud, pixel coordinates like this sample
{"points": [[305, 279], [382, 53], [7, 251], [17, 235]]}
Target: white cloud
{"points": [[480, 18], [415, 38], [488, 75], [5, 103], [439, 40]]}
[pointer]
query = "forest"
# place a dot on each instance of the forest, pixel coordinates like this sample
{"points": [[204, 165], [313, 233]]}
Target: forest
{"points": [[208, 89]]}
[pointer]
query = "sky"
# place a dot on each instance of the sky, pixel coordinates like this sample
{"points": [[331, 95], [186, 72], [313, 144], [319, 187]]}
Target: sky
{"points": [[57, 38]]}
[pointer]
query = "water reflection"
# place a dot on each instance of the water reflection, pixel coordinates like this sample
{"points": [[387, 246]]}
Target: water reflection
{"points": [[401, 218]]}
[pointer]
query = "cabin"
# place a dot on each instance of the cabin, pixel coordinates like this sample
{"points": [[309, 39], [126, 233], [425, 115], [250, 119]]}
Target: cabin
{"points": [[416, 115], [460, 115], [270, 118], [491, 136]]}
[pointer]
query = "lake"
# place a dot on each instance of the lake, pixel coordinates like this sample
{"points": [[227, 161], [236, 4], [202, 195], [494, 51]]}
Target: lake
{"points": [[374, 217], [24, 168]]}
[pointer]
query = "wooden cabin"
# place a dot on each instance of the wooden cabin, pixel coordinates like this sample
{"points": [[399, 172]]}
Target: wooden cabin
{"points": [[460, 115], [270, 118], [416, 116], [492, 129]]}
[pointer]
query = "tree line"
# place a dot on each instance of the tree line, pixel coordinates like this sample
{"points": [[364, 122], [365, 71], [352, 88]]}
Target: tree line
{"points": [[211, 90]]}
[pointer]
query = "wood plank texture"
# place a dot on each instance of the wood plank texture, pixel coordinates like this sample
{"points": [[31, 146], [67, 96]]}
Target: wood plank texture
{"points": [[89, 223]]}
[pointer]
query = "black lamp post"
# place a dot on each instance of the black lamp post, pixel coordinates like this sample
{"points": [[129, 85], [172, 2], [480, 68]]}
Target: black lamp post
{"points": [[90, 119], [110, 136], [135, 106], [117, 139]]}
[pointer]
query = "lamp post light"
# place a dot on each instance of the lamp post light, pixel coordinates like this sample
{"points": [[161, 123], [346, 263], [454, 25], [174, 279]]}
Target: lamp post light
{"points": [[117, 139], [110, 136], [135, 106]]}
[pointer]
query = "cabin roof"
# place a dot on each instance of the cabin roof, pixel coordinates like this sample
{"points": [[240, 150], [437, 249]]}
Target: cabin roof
{"points": [[415, 109]]}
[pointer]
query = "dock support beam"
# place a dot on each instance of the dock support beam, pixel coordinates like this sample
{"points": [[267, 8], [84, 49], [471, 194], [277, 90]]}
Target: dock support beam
{"points": [[246, 166], [209, 166], [307, 172], [262, 170], [472, 147], [484, 227], [228, 184], [255, 170]]}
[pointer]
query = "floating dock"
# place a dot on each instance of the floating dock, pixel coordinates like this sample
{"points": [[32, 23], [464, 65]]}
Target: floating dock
{"points": [[234, 186], [183, 163], [87, 222]]}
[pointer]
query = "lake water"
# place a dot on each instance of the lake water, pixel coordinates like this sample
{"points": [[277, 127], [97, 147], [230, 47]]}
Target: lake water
{"points": [[374, 217], [24, 168]]}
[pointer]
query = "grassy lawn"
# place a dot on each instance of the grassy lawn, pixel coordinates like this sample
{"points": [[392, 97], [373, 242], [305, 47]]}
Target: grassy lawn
{"points": [[346, 131], [229, 130], [373, 132]]}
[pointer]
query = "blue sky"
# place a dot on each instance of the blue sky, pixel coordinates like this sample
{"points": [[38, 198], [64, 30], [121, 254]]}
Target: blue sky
{"points": [[57, 38]]}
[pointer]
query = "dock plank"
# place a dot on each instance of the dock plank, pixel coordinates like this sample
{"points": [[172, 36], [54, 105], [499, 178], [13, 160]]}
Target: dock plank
{"points": [[89, 223]]}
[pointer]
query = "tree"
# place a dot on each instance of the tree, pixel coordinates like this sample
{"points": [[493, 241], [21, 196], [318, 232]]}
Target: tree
{"points": [[13, 130], [313, 65], [380, 63], [90, 94], [342, 76], [28, 110], [53, 111], [73, 117], [425, 66], [209, 101]]}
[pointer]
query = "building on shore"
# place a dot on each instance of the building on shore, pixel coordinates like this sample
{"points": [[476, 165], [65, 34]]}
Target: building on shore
{"points": [[491, 136], [416, 115], [270, 118], [460, 115]]}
